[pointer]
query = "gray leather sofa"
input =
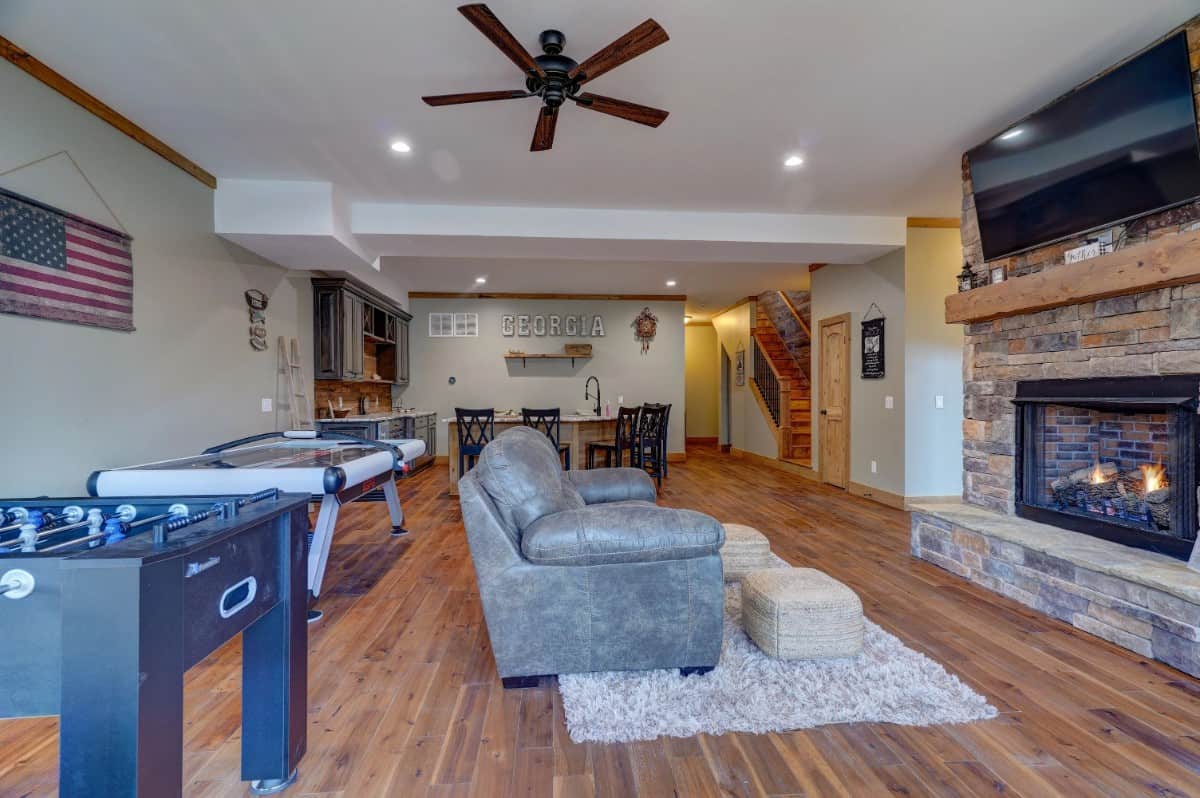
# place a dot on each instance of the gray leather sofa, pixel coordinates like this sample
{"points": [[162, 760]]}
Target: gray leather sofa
{"points": [[581, 570]]}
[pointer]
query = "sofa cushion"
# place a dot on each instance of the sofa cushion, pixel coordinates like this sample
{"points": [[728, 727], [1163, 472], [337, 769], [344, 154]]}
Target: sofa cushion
{"points": [[605, 485], [620, 532], [524, 477]]}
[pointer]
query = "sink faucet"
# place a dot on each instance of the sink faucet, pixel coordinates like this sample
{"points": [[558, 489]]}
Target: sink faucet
{"points": [[587, 394]]}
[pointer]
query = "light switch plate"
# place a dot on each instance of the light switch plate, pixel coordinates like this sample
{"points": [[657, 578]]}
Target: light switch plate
{"points": [[939, 402], [889, 402], [874, 467], [266, 405]]}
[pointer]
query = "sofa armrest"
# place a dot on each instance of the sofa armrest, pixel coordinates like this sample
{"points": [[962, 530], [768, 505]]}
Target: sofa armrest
{"points": [[603, 485], [621, 533]]}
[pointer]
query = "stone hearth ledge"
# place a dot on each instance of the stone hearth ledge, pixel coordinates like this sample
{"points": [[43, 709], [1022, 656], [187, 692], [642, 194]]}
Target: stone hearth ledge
{"points": [[1148, 603], [1157, 571]]}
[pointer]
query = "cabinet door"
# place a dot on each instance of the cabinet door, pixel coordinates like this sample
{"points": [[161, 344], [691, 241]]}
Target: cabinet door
{"points": [[325, 334], [352, 337], [401, 351]]}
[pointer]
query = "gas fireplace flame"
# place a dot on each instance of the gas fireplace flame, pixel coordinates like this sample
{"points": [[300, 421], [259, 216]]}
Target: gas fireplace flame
{"points": [[1098, 475], [1153, 475]]}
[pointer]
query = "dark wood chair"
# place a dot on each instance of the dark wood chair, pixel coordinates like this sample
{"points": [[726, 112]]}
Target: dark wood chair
{"points": [[548, 421], [627, 419], [650, 446], [476, 428]]}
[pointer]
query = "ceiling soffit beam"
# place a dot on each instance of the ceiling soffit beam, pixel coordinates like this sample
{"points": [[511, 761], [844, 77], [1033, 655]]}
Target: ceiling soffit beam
{"points": [[518, 295], [31, 65]]}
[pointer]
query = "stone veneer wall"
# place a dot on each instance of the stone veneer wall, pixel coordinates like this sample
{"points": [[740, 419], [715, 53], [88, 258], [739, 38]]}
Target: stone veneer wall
{"points": [[1150, 622], [1151, 333]]}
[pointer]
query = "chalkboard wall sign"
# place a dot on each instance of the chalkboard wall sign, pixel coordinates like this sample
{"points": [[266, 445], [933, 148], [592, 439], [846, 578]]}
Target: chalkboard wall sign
{"points": [[873, 367]]}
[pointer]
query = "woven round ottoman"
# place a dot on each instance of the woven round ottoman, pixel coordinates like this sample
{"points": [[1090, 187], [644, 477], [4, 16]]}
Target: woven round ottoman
{"points": [[801, 613], [745, 550]]}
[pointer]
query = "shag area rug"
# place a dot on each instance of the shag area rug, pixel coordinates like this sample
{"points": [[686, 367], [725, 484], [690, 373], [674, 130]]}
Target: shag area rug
{"points": [[751, 692]]}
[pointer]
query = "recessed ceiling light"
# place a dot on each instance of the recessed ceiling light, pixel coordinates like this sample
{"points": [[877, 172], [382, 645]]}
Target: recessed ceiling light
{"points": [[793, 161], [480, 280], [1012, 134], [400, 145], [670, 283]]}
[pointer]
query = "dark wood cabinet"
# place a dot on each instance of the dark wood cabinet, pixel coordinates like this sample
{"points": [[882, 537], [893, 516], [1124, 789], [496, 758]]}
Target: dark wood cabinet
{"points": [[358, 334]]}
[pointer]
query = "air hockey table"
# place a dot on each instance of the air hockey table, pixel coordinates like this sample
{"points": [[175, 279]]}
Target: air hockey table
{"points": [[336, 468]]}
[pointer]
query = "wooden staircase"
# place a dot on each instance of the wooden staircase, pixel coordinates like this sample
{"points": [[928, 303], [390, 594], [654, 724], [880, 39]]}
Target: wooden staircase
{"points": [[794, 392]]}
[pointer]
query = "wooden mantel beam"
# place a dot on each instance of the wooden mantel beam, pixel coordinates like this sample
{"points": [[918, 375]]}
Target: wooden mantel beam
{"points": [[1167, 261], [20, 58]]}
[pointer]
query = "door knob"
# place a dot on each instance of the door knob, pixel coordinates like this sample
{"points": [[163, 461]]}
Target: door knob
{"points": [[824, 412]]}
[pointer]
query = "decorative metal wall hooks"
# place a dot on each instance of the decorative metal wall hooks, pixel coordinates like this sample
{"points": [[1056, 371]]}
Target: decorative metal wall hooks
{"points": [[645, 327]]}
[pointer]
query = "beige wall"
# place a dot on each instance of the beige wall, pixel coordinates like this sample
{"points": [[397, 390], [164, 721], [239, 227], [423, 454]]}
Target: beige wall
{"points": [[875, 432], [78, 398], [932, 364], [748, 428], [702, 380], [483, 378]]}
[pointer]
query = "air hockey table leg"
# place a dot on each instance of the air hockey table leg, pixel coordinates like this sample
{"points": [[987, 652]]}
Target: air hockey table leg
{"points": [[394, 508], [318, 553]]}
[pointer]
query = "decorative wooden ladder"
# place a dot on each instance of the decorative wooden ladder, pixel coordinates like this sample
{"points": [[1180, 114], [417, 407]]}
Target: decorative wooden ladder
{"points": [[300, 413]]}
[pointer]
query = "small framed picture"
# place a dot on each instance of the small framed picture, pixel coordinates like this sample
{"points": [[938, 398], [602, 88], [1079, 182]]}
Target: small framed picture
{"points": [[997, 275]]}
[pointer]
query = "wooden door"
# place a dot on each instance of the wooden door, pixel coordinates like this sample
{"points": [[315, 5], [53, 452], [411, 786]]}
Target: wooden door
{"points": [[834, 420]]}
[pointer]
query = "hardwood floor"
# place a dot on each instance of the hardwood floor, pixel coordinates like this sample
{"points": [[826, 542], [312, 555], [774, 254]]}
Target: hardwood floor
{"points": [[404, 700]]}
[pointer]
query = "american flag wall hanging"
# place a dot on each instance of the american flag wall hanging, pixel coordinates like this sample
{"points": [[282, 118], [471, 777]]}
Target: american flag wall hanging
{"points": [[54, 265]]}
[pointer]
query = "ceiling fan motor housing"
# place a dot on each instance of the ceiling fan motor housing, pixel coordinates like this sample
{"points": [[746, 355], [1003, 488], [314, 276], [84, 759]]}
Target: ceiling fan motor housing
{"points": [[557, 86]]}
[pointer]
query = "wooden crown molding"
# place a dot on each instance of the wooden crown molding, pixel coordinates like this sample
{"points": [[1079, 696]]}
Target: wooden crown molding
{"points": [[499, 295], [935, 221], [1172, 260], [27, 63], [813, 267]]}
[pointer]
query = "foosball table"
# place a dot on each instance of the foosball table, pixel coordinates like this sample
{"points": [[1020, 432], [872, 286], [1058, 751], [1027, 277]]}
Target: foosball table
{"points": [[106, 603]]}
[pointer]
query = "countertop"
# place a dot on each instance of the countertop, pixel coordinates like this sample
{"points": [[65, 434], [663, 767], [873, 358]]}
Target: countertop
{"points": [[382, 415]]}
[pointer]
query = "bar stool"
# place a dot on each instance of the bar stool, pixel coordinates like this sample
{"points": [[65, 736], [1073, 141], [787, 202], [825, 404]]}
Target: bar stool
{"points": [[650, 448], [627, 419], [475, 429], [548, 421]]}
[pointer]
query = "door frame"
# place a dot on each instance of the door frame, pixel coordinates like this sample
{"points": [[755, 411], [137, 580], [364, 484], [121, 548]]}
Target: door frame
{"points": [[821, 325], [725, 420]]}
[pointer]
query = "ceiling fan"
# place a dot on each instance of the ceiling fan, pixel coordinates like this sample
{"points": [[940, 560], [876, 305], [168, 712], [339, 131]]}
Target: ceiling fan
{"points": [[555, 78]]}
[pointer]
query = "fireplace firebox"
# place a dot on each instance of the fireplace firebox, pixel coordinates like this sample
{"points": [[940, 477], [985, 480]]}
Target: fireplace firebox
{"points": [[1114, 458]]}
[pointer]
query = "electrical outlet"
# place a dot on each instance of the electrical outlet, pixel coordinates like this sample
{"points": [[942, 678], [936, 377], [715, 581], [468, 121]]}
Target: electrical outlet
{"points": [[889, 402], [939, 402], [874, 467], [266, 405]]}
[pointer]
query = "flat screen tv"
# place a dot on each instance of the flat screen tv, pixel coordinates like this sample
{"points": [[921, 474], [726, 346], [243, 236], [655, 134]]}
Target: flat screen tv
{"points": [[1119, 147]]}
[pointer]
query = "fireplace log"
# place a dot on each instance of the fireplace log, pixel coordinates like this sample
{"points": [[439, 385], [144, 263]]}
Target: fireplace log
{"points": [[1159, 502]]}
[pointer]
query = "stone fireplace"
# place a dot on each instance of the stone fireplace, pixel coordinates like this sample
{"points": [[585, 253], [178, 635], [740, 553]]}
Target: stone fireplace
{"points": [[1080, 432], [1113, 458]]}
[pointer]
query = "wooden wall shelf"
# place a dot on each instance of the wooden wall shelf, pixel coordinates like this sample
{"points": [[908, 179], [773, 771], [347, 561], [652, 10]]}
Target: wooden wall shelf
{"points": [[1171, 260], [525, 357]]}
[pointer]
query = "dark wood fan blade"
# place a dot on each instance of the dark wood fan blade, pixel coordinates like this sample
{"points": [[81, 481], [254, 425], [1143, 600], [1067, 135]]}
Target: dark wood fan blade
{"points": [[473, 97], [543, 134], [642, 114], [482, 18], [644, 37]]}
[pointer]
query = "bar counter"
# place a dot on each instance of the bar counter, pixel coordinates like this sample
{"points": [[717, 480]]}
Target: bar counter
{"points": [[577, 430]]}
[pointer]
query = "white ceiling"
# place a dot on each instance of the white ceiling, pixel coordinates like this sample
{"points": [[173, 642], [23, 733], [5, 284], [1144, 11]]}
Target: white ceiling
{"points": [[709, 286], [881, 98]]}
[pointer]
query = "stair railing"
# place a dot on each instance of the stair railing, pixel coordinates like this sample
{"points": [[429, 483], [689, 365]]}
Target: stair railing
{"points": [[775, 394]]}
